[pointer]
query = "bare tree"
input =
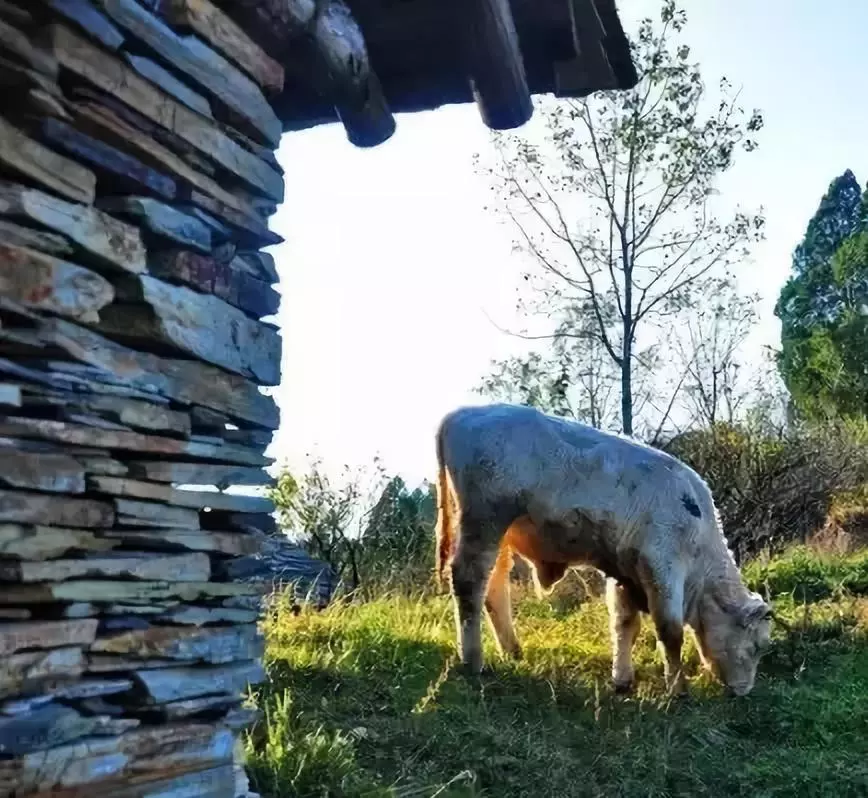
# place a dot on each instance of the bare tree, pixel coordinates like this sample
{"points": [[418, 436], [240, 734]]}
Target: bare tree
{"points": [[717, 383], [615, 207]]}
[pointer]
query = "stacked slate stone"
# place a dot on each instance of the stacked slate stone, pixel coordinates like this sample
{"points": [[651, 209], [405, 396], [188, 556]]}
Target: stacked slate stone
{"points": [[137, 176]]}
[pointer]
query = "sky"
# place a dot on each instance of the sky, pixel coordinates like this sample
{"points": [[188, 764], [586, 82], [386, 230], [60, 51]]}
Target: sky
{"points": [[393, 274]]}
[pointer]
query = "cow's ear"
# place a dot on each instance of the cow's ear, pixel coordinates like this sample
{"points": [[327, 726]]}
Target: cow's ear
{"points": [[754, 611]]}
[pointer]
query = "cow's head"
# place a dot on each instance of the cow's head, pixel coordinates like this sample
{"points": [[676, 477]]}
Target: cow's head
{"points": [[732, 636]]}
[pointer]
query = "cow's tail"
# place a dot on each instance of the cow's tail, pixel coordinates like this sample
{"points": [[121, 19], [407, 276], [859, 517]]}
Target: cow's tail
{"points": [[445, 531]]}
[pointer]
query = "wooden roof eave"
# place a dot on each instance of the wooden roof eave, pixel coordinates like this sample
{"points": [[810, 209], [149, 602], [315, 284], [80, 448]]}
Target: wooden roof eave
{"points": [[558, 46]]}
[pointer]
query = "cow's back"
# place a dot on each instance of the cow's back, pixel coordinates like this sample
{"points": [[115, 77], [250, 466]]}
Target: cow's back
{"points": [[514, 453]]}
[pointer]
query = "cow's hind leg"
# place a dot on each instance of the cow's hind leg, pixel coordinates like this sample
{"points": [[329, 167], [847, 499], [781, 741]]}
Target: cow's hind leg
{"points": [[498, 607], [474, 559], [624, 626]]}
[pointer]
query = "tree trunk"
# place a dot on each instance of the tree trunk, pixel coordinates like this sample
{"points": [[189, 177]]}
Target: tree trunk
{"points": [[626, 392], [627, 351]]}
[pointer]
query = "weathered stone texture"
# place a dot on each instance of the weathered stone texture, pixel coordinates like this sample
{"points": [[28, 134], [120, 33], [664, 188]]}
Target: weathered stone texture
{"points": [[138, 174]]}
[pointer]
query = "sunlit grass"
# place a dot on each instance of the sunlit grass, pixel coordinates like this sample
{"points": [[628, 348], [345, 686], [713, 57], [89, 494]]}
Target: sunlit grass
{"points": [[365, 700]]}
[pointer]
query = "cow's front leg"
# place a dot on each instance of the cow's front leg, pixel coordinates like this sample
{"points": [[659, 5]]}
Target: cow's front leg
{"points": [[665, 592], [471, 567], [624, 626]]}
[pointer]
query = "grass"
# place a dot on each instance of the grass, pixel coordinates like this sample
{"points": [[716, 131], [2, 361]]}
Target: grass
{"points": [[365, 700]]}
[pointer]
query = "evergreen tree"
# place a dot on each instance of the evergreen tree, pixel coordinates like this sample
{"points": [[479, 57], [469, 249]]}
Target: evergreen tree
{"points": [[813, 305]]}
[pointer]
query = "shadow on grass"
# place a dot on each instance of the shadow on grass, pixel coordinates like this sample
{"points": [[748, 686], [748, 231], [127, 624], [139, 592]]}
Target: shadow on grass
{"points": [[356, 709]]}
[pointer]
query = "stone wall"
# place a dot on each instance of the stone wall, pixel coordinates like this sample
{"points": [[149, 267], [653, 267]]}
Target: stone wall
{"points": [[137, 176]]}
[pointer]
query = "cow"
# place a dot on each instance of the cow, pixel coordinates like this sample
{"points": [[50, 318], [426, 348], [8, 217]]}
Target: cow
{"points": [[514, 480]]}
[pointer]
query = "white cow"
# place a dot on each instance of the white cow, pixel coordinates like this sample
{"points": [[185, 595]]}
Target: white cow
{"points": [[559, 493]]}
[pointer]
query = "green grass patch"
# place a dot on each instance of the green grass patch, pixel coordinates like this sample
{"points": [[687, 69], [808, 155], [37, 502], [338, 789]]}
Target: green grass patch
{"points": [[809, 576], [366, 700]]}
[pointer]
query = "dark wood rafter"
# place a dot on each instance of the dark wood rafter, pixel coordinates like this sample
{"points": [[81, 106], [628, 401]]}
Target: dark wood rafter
{"points": [[494, 62], [329, 60], [590, 70]]}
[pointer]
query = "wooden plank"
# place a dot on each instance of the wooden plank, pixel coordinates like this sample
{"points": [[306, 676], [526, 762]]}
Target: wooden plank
{"points": [[39, 543], [152, 71], [179, 684], [161, 220], [14, 42], [168, 568], [211, 646], [43, 282], [107, 590], [328, 55], [46, 634], [21, 236], [85, 17], [209, 276], [27, 157], [112, 76], [182, 380], [198, 473], [224, 35], [112, 242], [206, 67], [23, 507], [226, 543], [493, 53], [108, 125], [200, 325], [115, 170], [51, 473]]}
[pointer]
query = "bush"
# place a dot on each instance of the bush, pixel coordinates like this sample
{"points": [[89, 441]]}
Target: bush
{"points": [[775, 488]]}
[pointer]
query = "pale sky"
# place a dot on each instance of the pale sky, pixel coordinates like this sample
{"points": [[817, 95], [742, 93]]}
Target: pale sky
{"points": [[392, 269]]}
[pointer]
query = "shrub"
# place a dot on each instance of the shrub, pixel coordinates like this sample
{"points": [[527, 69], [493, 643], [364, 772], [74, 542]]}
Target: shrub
{"points": [[775, 488]]}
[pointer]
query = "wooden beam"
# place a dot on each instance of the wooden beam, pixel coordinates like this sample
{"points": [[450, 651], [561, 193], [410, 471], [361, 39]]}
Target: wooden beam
{"points": [[322, 49], [494, 62], [590, 70]]}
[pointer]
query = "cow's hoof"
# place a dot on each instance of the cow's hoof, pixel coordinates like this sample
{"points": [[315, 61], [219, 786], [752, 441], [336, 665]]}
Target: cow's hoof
{"points": [[622, 688], [516, 654], [471, 670]]}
